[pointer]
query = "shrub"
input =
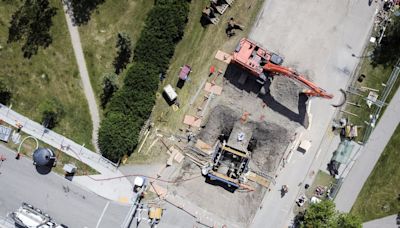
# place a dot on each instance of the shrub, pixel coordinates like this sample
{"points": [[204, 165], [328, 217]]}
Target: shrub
{"points": [[5, 94], [131, 105], [52, 112]]}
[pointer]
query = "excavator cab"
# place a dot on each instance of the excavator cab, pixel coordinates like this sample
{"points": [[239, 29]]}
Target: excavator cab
{"points": [[276, 59]]}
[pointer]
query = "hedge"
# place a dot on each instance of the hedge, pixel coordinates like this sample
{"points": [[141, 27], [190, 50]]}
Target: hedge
{"points": [[131, 106]]}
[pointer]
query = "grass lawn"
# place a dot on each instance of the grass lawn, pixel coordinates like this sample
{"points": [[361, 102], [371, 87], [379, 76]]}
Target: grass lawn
{"points": [[380, 195], [99, 36], [322, 179], [52, 73], [197, 49], [375, 76]]}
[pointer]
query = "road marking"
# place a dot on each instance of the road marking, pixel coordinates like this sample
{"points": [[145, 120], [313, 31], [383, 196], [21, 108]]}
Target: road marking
{"points": [[102, 214]]}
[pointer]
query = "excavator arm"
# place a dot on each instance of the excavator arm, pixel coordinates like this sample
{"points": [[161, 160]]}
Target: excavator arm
{"points": [[314, 90]]}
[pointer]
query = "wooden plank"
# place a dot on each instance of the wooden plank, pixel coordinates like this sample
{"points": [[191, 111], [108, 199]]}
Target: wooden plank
{"points": [[224, 57], [233, 151], [192, 121], [258, 179]]}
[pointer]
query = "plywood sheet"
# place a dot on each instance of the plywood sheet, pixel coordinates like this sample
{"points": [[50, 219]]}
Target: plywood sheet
{"points": [[215, 89], [192, 121], [224, 57]]}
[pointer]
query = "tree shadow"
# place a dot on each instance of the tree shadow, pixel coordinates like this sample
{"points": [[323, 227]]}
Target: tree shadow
{"points": [[82, 10], [233, 75]]}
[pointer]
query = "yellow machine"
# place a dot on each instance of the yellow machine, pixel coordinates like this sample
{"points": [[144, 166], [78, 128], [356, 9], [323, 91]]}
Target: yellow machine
{"points": [[155, 214]]}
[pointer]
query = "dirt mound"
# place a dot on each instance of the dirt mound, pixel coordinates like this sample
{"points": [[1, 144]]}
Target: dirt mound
{"points": [[220, 121], [286, 91], [272, 141]]}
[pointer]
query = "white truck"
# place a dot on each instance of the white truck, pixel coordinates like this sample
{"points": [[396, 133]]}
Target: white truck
{"points": [[28, 216]]}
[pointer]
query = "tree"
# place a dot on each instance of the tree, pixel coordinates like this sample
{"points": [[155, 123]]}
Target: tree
{"points": [[323, 214], [5, 94], [110, 86], [388, 51], [31, 23], [124, 46], [118, 135], [131, 105], [82, 10], [348, 221], [52, 112], [320, 214]]}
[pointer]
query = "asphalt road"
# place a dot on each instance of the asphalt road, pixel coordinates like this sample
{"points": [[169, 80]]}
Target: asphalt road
{"points": [[66, 202], [61, 199], [316, 38]]}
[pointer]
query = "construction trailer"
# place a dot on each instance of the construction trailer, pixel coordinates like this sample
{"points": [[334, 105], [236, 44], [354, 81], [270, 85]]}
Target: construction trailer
{"points": [[264, 64]]}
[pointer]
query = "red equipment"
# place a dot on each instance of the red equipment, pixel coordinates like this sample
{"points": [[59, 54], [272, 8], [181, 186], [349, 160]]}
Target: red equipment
{"points": [[258, 61]]}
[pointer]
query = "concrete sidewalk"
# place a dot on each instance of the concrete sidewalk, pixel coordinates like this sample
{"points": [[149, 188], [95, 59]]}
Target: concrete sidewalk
{"points": [[110, 184], [369, 155], [387, 222], [83, 72]]}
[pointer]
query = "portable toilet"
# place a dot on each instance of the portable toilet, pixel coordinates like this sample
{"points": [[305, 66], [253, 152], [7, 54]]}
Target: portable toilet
{"points": [[170, 93]]}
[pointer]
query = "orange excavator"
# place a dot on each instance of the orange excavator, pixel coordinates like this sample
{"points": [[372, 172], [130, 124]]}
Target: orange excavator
{"points": [[260, 62]]}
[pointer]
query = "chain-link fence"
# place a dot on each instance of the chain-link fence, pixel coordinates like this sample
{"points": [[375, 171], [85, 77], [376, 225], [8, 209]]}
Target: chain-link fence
{"points": [[55, 140]]}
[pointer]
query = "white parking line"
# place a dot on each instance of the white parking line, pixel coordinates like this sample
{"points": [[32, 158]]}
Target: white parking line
{"points": [[102, 214]]}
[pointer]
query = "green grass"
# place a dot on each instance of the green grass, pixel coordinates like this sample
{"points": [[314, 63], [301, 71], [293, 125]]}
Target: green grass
{"points": [[380, 194], [52, 73], [322, 179], [29, 146], [197, 49], [375, 76], [99, 36]]}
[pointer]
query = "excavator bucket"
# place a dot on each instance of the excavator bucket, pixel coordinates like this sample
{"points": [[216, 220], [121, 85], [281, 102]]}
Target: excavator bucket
{"points": [[343, 100]]}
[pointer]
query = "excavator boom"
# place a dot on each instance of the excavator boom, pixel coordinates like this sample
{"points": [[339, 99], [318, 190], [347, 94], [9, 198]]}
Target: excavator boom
{"points": [[314, 89], [258, 61]]}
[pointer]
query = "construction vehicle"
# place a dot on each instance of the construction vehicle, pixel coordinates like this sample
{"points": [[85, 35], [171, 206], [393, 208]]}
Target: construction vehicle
{"points": [[31, 217], [263, 64], [155, 214]]}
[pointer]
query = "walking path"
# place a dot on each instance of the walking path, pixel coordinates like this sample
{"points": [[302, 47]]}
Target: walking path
{"points": [[119, 189], [87, 87], [387, 222], [369, 155]]}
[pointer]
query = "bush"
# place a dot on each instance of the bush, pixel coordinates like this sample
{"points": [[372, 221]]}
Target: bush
{"points": [[5, 94], [131, 105], [118, 135], [52, 112], [109, 86]]}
